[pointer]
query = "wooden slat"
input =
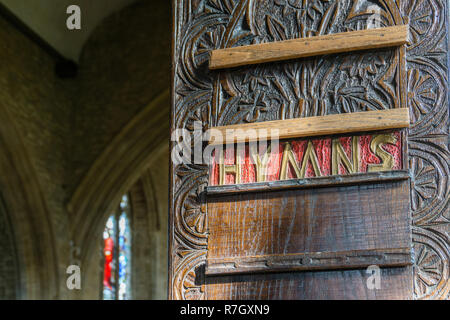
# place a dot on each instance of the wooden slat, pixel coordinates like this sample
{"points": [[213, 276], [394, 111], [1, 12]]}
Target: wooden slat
{"points": [[319, 182], [312, 46], [313, 126], [396, 284], [355, 259]]}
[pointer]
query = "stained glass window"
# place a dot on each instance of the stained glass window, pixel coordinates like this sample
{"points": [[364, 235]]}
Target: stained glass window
{"points": [[117, 254]]}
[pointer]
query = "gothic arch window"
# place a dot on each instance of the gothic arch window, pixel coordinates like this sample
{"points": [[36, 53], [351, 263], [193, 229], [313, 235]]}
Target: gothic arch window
{"points": [[117, 253]]}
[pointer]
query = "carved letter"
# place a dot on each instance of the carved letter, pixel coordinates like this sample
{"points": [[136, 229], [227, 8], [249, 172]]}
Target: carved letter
{"points": [[387, 160], [234, 168], [260, 162], [289, 157], [310, 154], [340, 157]]}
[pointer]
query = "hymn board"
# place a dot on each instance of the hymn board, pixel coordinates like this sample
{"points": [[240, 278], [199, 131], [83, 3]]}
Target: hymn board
{"points": [[270, 209]]}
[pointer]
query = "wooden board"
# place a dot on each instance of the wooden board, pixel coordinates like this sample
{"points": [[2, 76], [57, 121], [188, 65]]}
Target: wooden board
{"points": [[308, 183], [312, 126], [248, 230], [395, 284], [307, 47], [354, 259]]}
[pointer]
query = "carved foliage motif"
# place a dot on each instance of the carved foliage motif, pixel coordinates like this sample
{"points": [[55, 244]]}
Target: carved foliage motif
{"points": [[309, 87], [431, 268], [428, 145]]}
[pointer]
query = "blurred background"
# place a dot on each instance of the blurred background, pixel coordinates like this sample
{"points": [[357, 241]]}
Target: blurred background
{"points": [[84, 132]]}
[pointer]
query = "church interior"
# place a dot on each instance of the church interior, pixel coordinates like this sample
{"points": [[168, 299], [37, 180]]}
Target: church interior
{"points": [[84, 161], [353, 204]]}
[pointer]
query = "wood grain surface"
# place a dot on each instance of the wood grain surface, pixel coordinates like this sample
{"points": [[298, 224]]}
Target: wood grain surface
{"points": [[312, 126], [354, 259], [318, 285], [319, 182], [335, 219], [413, 76], [307, 47]]}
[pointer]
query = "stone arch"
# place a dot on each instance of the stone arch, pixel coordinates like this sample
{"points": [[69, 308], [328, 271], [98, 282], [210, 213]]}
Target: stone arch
{"points": [[121, 120], [28, 211], [149, 200], [114, 172]]}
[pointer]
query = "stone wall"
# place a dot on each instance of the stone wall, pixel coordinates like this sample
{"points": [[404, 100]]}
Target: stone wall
{"points": [[123, 67], [40, 104], [149, 198], [66, 124]]}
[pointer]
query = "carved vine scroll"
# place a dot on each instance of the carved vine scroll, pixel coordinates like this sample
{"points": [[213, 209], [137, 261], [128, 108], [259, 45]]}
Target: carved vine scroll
{"points": [[324, 85]]}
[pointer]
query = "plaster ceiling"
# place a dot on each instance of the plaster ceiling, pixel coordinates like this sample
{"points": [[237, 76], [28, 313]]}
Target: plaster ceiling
{"points": [[47, 18]]}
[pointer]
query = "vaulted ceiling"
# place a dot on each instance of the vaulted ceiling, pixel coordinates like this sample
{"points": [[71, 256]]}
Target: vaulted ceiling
{"points": [[47, 18]]}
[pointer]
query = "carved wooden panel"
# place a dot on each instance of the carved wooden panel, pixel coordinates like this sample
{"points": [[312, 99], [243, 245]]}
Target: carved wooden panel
{"points": [[324, 85], [310, 46]]}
